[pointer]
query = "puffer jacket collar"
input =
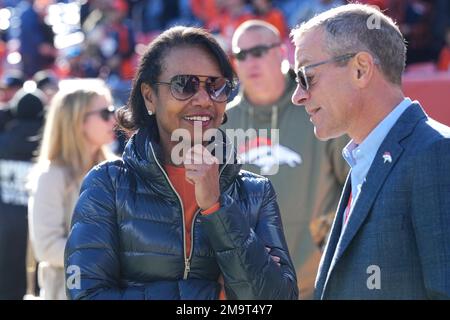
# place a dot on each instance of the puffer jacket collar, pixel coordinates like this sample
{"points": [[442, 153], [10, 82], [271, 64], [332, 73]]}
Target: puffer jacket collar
{"points": [[143, 153]]}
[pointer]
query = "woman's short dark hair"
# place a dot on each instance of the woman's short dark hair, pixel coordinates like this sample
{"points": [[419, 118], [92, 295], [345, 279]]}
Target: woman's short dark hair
{"points": [[134, 115]]}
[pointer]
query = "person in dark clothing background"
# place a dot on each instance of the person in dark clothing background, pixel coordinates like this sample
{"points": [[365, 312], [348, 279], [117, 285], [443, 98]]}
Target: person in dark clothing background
{"points": [[47, 82], [36, 39], [11, 82], [18, 141]]}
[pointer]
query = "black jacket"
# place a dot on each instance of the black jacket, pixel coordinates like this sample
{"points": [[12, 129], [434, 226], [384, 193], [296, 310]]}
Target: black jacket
{"points": [[19, 140], [127, 236]]}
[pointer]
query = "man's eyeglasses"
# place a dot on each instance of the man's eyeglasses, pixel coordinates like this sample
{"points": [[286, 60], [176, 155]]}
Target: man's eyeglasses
{"points": [[185, 86], [105, 113], [257, 51], [304, 81]]}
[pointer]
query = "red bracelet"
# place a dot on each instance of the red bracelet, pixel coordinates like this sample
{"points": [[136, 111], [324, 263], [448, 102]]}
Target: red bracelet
{"points": [[215, 207]]}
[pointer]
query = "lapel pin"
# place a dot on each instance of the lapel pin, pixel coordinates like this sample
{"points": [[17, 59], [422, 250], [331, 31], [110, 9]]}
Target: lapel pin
{"points": [[387, 157]]}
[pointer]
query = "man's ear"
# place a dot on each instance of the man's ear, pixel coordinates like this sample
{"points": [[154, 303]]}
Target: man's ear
{"points": [[148, 95], [363, 67]]}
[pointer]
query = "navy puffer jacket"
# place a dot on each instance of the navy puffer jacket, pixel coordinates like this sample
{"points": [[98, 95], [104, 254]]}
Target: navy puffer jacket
{"points": [[127, 235]]}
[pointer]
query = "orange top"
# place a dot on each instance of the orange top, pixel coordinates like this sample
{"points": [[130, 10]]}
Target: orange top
{"points": [[186, 191]]}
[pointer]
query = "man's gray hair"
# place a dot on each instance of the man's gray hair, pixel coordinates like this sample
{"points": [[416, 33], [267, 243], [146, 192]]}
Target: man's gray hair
{"points": [[355, 27]]}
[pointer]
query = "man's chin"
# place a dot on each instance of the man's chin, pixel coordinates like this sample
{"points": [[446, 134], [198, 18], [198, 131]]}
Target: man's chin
{"points": [[322, 136]]}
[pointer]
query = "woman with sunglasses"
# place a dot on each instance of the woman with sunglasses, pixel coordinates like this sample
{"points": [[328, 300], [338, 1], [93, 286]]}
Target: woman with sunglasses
{"points": [[79, 125], [152, 227]]}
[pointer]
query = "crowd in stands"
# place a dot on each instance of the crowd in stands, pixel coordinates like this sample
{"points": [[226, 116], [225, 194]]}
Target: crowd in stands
{"points": [[102, 38]]}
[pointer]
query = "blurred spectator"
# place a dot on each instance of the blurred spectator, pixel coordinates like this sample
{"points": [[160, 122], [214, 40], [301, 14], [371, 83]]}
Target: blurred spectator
{"points": [[11, 82], [93, 8], [207, 12], [152, 13], [78, 126], [264, 10], [82, 61], [310, 173], [36, 38], [117, 44], [47, 82], [91, 13], [298, 11], [423, 23], [2, 49], [109, 46], [157, 15], [417, 30], [231, 14], [19, 140], [181, 15], [441, 26], [86, 60], [444, 56]]}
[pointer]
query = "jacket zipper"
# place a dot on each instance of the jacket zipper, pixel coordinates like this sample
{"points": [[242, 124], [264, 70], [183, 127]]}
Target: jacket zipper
{"points": [[187, 267], [187, 259]]}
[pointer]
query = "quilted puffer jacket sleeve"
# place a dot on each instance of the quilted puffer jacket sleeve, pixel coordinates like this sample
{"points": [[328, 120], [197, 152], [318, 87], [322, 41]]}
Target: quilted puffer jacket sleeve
{"points": [[249, 271], [91, 254]]}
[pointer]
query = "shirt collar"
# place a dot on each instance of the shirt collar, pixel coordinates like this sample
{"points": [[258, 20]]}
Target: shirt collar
{"points": [[366, 151]]}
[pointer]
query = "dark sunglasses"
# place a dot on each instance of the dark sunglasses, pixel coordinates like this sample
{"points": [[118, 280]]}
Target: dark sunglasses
{"points": [[304, 81], [256, 52], [105, 113], [185, 86]]}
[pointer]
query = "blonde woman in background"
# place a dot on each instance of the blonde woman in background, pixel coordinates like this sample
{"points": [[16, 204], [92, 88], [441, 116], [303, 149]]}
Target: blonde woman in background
{"points": [[79, 125]]}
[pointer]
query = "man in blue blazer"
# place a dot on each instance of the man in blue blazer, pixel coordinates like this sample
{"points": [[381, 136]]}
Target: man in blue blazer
{"points": [[391, 235]]}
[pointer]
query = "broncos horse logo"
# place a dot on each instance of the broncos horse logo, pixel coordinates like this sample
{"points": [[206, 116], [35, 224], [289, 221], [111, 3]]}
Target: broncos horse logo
{"points": [[268, 157]]}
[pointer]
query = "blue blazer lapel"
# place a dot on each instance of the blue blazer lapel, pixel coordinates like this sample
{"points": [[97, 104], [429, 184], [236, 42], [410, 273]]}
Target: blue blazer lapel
{"points": [[375, 179], [328, 254]]}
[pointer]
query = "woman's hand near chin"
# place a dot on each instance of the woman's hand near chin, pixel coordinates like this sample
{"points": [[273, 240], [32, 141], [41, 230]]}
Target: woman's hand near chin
{"points": [[202, 170]]}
